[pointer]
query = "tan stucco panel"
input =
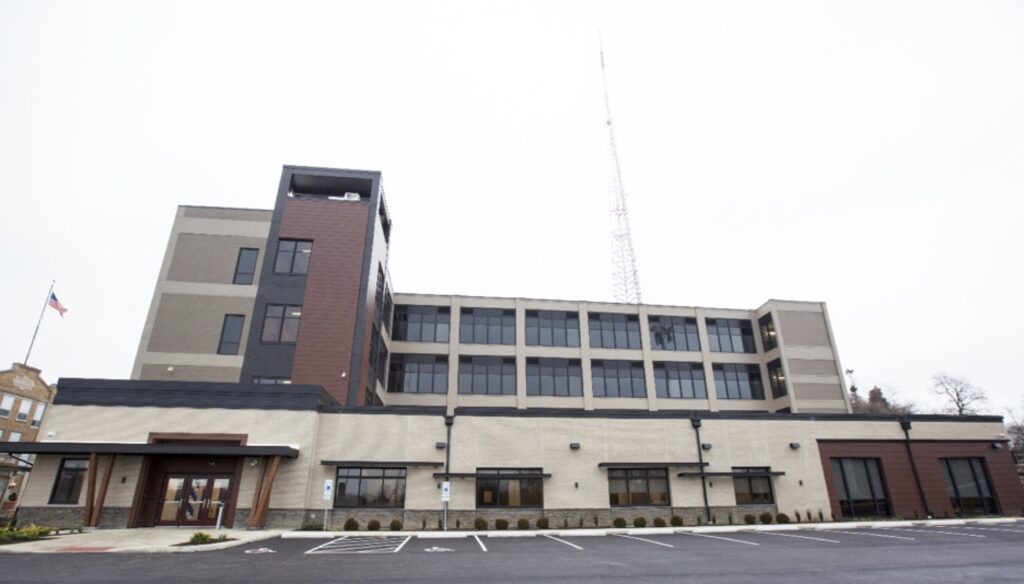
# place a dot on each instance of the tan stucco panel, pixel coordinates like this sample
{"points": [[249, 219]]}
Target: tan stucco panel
{"points": [[192, 324], [190, 373], [210, 258], [804, 328]]}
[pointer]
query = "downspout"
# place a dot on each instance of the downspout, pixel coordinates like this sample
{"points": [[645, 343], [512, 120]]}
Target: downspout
{"points": [[905, 425], [695, 422], [449, 421]]}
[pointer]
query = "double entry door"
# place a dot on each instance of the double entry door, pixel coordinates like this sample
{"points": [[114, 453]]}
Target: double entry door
{"points": [[193, 499]]}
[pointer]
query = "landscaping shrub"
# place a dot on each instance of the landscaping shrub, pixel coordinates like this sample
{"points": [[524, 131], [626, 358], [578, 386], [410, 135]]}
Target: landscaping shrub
{"points": [[542, 523], [810, 516], [749, 519], [373, 525], [639, 522], [782, 519], [523, 523], [821, 515], [659, 522], [797, 516], [619, 522], [396, 525], [595, 521], [480, 524], [501, 524], [199, 538], [766, 518], [351, 525], [458, 524], [27, 533], [676, 521]]}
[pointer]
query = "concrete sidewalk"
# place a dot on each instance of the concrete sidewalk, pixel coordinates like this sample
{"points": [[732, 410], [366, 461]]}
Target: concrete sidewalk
{"points": [[142, 540]]}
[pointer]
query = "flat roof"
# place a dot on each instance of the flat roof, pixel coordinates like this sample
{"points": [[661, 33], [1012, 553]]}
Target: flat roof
{"points": [[179, 449]]}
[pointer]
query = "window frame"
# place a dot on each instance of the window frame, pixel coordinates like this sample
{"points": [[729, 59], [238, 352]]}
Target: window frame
{"points": [[744, 327], [270, 380], [238, 266], [294, 252], [737, 480], [561, 369], [617, 365], [607, 325], [24, 409], [553, 323], [399, 374], [37, 415], [223, 331], [77, 483], [487, 362], [502, 318], [629, 475], [956, 500], [769, 333], [777, 378], [401, 479], [673, 323], [8, 399], [286, 314], [420, 313], [663, 376], [512, 473], [722, 389], [837, 463]]}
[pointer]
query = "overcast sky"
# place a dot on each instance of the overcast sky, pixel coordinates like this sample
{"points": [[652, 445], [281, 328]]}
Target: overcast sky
{"points": [[865, 154]]}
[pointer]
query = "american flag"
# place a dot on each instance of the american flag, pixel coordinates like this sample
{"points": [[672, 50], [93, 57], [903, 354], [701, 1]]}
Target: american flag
{"points": [[57, 305]]}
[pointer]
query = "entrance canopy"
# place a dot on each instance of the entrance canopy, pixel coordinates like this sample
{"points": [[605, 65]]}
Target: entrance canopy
{"points": [[179, 448]]}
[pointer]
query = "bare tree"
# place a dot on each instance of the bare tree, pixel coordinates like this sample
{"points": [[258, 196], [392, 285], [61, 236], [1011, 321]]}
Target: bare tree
{"points": [[961, 396], [877, 403]]}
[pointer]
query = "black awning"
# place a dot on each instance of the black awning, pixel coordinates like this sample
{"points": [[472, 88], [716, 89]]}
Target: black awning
{"points": [[491, 475], [379, 464], [168, 448], [650, 464], [738, 473]]}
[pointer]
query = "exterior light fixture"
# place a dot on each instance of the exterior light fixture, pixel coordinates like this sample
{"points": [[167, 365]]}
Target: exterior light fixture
{"points": [[439, 445], [794, 445], [574, 445], [705, 446]]}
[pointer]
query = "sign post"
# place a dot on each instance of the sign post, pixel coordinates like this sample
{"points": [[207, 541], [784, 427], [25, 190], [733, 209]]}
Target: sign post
{"points": [[446, 495], [328, 491]]}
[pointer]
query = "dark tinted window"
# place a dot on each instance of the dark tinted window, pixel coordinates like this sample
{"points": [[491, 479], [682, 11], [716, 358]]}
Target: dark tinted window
{"points": [[968, 486], [614, 331], [673, 333], [737, 381], [680, 380], [293, 256], [777, 378], [281, 323], [753, 490], [552, 328], [860, 487], [370, 487], [68, 486], [554, 377], [263, 380], [231, 334], [618, 378], [637, 486], [768, 336], [245, 267], [418, 374], [510, 491], [729, 335], [426, 324], [487, 326], [487, 375]]}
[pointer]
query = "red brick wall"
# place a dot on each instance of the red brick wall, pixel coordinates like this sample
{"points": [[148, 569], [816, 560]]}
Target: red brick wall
{"points": [[899, 476]]}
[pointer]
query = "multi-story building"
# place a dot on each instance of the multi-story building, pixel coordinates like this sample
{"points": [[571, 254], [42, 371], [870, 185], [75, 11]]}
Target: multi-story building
{"points": [[24, 397], [276, 358]]}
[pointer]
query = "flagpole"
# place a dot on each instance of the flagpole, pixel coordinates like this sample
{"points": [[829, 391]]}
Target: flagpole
{"points": [[45, 303]]}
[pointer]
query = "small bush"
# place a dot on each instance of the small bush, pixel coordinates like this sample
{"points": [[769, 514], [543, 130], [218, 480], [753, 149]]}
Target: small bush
{"points": [[542, 523], [440, 523], [565, 523], [619, 522], [480, 524], [458, 524], [821, 515], [810, 516], [523, 524], [659, 522], [311, 527], [223, 537], [595, 521], [581, 523], [782, 519], [373, 525], [27, 533], [501, 524], [797, 513], [749, 519], [766, 518], [676, 521], [351, 525], [714, 520], [639, 522], [395, 525], [199, 538]]}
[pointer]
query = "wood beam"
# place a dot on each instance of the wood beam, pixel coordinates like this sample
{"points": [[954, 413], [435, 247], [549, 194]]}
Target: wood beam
{"points": [[97, 508], [90, 490], [253, 516], [268, 485]]}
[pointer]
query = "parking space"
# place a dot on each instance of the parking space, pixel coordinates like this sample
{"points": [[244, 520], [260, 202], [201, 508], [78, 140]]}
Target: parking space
{"points": [[362, 545]]}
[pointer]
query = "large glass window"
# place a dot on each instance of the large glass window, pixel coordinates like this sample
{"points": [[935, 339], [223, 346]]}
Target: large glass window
{"points": [[554, 377], [737, 381], [618, 378], [293, 256], [729, 335], [753, 490], [6, 403], [487, 375], [370, 487], [769, 338], [23, 409], [511, 491], [680, 380], [425, 324], [777, 378], [552, 328], [37, 416], [487, 326], [860, 487], [231, 334], [418, 374], [281, 323], [388, 308], [68, 486], [614, 331], [968, 486], [264, 380], [245, 267], [637, 486], [673, 333]]}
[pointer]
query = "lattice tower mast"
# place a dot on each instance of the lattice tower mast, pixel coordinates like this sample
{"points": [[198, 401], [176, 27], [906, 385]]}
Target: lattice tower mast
{"points": [[625, 278]]}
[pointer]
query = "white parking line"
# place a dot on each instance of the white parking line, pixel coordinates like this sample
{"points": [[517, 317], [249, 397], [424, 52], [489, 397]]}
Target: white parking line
{"points": [[362, 545], [861, 532], [719, 537], [798, 536], [929, 531], [327, 543], [644, 540], [995, 529], [482, 546], [399, 548], [562, 541]]}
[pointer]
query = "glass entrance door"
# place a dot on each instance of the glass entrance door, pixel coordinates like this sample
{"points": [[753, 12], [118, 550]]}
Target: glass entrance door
{"points": [[192, 499]]}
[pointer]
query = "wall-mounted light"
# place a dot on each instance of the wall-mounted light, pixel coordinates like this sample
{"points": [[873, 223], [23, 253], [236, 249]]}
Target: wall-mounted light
{"points": [[439, 445], [344, 374], [574, 445], [794, 445], [170, 368], [705, 446]]}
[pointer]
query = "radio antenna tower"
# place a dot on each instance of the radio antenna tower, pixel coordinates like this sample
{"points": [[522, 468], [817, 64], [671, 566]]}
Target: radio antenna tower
{"points": [[625, 279]]}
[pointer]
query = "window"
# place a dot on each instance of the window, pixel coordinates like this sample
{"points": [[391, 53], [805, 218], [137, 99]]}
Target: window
{"points": [[418, 374], [511, 491], [768, 336], [614, 331], [23, 409], [729, 335], [281, 323], [753, 490], [737, 381], [68, 485], [425, 324], [554, 377], [487, 375], [37, 416], [637, 486], [378, 357], [370, 487], [552, 328], [388, 309], [270, 380], [680, 380], [618, 378], [5, 406], [293, 256], [673, 333], [487, 326], [245, 267], [14, 437], [231, 334], [861, 490], [378, 297], [968, 486], [777, 378]]}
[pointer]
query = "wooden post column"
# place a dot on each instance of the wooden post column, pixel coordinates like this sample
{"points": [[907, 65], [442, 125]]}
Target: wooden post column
{"points": [[90, 492], [97, 508]]}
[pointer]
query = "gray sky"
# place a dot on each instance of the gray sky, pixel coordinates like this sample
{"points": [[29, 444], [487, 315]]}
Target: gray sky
{"points": [[865, 154]]}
